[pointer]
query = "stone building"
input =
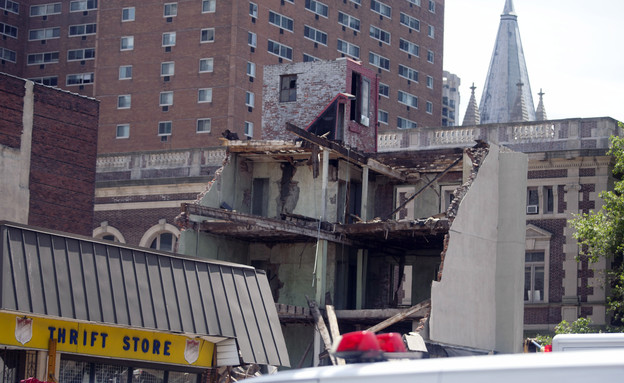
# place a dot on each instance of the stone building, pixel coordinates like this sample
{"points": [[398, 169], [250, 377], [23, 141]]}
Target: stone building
{"points": [[568, 168]]}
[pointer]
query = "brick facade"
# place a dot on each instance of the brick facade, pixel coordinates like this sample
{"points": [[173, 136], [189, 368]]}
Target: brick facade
{"points": [[12, 101], [318, 86], [61, 172], [231, 53], [135, 222], [62, 175]]}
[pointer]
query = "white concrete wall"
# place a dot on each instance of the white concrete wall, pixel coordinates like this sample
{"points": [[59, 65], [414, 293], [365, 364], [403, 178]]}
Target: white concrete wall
{"points": [[478, 303], [15, 168], [511, 250]]}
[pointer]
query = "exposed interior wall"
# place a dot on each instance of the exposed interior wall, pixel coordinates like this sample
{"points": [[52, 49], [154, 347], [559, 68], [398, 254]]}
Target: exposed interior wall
{"points": [[481, 285], [213, 247], [298, 337], [291, 266]]}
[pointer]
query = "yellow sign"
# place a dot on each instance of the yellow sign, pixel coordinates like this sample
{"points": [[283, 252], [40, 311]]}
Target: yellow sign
{"points": [[101, 340]]}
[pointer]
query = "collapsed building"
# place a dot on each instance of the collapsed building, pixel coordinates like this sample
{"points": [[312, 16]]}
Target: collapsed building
{"points": [[330, 219]]}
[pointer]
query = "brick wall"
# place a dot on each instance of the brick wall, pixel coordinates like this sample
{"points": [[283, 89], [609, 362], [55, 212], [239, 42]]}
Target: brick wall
{"points": [[134, 223], [585, 204], [317, 85], [551, 314], [540, 315], [62, 174], [11, 100], [553, 173]]}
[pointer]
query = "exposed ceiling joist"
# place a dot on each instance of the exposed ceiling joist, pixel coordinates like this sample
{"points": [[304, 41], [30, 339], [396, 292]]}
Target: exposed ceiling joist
{"points": [[350, 155]]}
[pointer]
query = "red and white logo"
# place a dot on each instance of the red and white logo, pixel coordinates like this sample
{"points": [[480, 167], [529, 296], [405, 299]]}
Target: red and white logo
{"points": [[191, 351], [23, 330]]}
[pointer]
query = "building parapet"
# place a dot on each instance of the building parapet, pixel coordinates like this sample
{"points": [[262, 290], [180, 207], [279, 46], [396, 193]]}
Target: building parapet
{"points": [[552, 135], [159, 164]]}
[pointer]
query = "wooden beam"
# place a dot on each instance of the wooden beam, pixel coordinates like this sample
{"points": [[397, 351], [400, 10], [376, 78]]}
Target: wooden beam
{"points": [[400, 316], [333, 327], [408, 200], [351, 155], [320, 326], [348, 154], [386, 170], [266, 146]]}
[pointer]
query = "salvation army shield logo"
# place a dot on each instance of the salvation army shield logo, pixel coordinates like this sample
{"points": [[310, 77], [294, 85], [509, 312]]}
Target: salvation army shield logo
{"points": [[191, 351], [23, 330]]}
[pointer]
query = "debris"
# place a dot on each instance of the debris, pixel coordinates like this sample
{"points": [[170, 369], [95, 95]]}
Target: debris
{"points": [[322, 329], [333, 327], [426, 304], [235, 374]]}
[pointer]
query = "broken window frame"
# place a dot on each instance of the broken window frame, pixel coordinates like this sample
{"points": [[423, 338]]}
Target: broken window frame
{"points": [[360, 105], [447, 194]]}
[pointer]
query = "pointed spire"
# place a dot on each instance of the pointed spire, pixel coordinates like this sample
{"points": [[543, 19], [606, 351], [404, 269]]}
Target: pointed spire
{"points": [[507, 66], [472, 116], [509, 8], [540, 112], [519, 112]]}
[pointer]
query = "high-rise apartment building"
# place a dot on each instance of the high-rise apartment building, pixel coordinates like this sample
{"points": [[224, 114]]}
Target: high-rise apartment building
{"points": [[450, 98], [176, 74], [52, 43]]}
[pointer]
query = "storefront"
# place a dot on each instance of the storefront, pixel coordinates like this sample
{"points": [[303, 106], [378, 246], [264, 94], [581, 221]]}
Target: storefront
{"points": [[107, 313]]}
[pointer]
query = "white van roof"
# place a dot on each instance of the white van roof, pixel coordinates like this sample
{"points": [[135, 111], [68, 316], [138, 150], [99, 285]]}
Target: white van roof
{"points": [[576, 342], [582, 366]]}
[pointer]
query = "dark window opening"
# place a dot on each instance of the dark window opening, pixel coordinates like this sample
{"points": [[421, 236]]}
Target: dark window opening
{"points": [[350, 203], [532, 201], [360, 105], [550, 200], [288, 88], [259, 196], [346, 279]]}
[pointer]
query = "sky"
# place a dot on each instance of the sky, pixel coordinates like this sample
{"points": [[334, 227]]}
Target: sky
{"points": [[574, 52]]}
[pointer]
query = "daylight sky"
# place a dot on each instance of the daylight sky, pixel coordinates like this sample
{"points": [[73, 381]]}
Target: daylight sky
{"points": [[574, 51]]}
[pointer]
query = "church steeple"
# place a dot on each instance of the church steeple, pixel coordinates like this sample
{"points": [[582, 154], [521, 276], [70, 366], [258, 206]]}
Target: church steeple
{"points": [[509, 8], [472, 116], [540, 112], [507, 68]]}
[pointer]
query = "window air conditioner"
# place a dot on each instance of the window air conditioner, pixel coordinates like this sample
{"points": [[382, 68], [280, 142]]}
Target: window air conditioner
{"points": [[531, 209]]}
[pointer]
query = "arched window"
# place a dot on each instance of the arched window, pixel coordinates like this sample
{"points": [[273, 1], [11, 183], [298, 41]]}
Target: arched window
{"points": [[109, 233], [164, 241], [162, 236]]}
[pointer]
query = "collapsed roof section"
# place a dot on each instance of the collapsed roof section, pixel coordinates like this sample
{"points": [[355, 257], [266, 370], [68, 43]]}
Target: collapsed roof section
{"points": [[385, 232]]}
